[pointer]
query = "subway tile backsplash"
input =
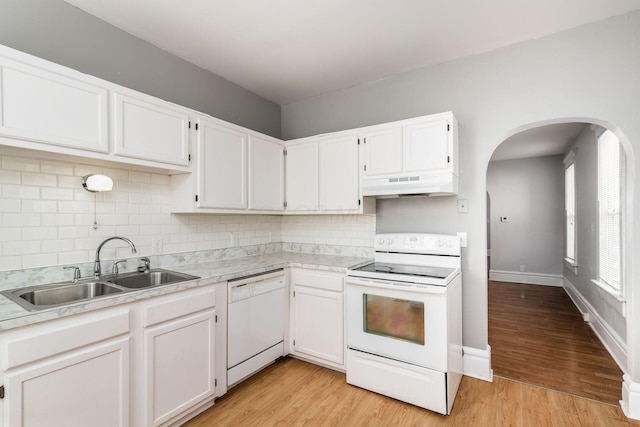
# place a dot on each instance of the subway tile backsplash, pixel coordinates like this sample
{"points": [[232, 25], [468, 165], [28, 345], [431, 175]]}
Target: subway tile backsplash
{"points": [[46, 218]]}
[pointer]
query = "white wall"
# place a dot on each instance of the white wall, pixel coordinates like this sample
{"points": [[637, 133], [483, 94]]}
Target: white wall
{"points": [[588, 74], [530, 194]]}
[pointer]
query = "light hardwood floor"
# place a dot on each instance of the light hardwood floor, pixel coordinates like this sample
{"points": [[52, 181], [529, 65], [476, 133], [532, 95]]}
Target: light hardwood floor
{"points": [[296, 393], [538, 336]]}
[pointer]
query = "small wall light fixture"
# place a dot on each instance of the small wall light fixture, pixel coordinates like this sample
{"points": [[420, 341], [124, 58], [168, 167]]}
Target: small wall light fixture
{"points": [[97, 183]]}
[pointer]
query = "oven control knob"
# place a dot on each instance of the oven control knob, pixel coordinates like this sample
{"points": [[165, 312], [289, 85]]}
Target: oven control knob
{"points": [[389, 240], [439, 243], [449, 243], [380, 240]]}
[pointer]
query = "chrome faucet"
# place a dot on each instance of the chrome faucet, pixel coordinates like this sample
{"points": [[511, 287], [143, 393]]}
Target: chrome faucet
{"points": [[96, 264]]}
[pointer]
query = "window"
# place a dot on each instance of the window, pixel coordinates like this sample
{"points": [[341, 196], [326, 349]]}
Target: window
{"points": [[570, 212], [609, 229]]}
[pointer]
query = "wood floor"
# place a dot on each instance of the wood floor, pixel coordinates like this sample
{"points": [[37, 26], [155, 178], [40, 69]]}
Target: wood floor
{"points": [[537, 336], [295, 393]]}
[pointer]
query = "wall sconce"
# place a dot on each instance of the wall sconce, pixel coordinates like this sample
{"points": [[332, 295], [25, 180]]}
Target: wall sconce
{"points": [[96, 184]]}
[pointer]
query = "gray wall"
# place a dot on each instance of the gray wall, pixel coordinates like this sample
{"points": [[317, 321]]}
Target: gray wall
{"points": [[588, 74], [586, 161], [530, 193], [61, 33]]}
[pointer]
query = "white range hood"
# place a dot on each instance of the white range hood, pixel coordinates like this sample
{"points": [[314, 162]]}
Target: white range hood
{"points": [[436, 184]]}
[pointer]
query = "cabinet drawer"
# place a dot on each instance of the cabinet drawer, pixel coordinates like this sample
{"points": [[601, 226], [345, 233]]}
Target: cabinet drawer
{"points": [[178, 305], [318, 279], [45, 340]]}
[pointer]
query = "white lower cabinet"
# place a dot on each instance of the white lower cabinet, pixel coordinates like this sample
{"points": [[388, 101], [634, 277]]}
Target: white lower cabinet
{"points": [[146, 363], [178, 354], [317, 317], [69, 372]]}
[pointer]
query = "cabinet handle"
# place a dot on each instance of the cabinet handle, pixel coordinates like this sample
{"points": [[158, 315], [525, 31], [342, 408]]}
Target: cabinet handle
{"points": [[1, 392]]}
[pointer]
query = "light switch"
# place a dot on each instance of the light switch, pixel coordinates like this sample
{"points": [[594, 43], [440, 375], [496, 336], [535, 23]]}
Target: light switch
{"points": [[463, 206]]}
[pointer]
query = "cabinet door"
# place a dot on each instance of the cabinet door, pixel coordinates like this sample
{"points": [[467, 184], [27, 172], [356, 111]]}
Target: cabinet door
{"points": [[41, 106], [150, 129], [383, 151], [266, 174], [339, 177], [426, 146], [318, 323], [222, 167], [302, 177], [180, 362], [88, 387]]}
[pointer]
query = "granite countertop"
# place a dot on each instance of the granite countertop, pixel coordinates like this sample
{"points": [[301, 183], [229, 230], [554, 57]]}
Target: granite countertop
{"points": [[13, 316]]}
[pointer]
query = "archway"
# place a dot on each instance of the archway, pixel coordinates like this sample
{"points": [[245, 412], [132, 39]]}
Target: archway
{"points": [[624, 354]]}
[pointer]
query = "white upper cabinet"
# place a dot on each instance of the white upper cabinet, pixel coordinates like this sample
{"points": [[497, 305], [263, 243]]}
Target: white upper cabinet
{"points": [[302, 177], [426, 146], [42, 106], [148, 128], [236, 171], [383, 151], [266, 174], [339, 180], [416, 146], [222, 166]]}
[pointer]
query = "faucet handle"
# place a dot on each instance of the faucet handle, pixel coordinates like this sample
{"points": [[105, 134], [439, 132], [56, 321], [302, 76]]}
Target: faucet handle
{"points": [[147, 265], [76, 272], [114, 270]]}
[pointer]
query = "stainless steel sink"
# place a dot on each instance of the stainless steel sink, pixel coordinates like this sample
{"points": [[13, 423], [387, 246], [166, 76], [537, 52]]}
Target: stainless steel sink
{"points": [[151, 278], [46, 296]]}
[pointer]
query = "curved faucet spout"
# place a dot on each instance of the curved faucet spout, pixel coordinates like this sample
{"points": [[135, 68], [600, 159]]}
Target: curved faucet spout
{"points": [[96, 264]]}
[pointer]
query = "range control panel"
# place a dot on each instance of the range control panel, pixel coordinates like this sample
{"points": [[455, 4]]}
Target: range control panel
{"points": [[419, 243]]}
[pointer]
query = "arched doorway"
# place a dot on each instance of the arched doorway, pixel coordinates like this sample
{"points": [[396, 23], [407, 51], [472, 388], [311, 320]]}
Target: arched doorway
{"points": [[520, 259]]}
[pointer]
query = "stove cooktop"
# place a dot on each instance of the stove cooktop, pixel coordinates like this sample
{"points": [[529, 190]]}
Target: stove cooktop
{"points": [[406, 270]]}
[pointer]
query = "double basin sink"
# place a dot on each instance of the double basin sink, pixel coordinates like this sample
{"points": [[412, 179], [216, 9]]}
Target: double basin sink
{"points": [[53, 295]]}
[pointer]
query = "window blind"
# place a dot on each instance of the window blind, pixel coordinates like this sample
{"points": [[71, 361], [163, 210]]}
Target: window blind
{"points": [[609, 209], [570, 209]]}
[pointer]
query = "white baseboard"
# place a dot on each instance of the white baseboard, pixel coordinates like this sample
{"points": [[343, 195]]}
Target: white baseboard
{"points": [[477, 363], [630, 402], [526, 278], [609, 338]]}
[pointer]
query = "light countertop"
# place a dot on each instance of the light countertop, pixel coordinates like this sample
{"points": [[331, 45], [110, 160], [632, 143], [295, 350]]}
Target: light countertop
{"points": [[13, 316]]}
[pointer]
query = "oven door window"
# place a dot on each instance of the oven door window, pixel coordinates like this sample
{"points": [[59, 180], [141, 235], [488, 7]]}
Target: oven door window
{"points": [[394, 318]]}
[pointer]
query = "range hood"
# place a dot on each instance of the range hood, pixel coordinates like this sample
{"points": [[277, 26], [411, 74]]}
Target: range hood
{"points": [[436, 184]]}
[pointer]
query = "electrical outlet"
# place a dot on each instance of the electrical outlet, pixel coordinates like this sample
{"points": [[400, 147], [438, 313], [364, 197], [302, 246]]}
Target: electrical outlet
{"points": [[270, 238], [156, 247], [463, 238], [234, 239], [503, 219]]}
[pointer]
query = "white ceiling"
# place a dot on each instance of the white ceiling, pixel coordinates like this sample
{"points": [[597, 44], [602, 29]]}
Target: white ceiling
{"points": [[550, 140], [289, 50]]}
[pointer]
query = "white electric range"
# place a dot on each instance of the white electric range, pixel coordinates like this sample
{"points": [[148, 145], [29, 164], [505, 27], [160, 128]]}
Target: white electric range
{"points": [[404, 325]]}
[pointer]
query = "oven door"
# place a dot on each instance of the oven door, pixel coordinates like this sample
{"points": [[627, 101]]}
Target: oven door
{"points": [[401, 321]]}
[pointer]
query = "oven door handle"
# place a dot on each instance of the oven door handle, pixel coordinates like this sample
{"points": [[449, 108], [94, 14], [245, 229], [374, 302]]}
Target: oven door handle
{"points": [[396, 286]]}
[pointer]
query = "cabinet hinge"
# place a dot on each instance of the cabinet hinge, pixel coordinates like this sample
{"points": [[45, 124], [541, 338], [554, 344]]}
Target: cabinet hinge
{"points": [[216, 318], [215, 382], [448, 159], [448, 127], [359, 202], [189, 125], [285, 204], [189, 157], [294, 294], [294, 343], [1, 392], [196, 197], [285, 152], [365, 168], [358, 141], [196, 126], [364, 140]]}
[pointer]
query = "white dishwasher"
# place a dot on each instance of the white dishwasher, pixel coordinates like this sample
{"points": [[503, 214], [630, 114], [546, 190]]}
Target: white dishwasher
{"points": [[256, 319]]}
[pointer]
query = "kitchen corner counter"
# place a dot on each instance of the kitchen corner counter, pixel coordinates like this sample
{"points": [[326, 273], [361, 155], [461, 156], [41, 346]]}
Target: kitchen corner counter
{"points": [[13, 316]]}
